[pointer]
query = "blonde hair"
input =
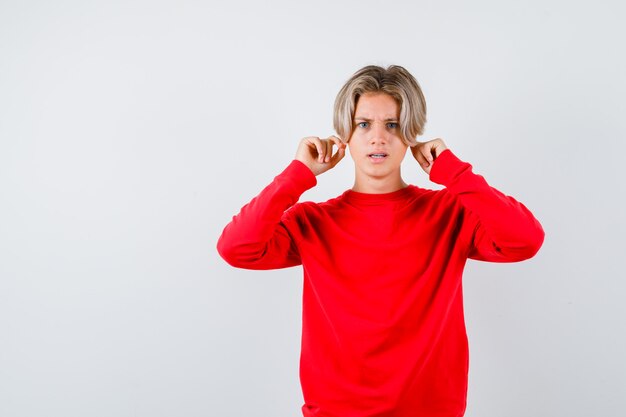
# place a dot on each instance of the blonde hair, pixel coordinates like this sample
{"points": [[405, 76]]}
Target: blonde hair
{"points": [[393, 80]]}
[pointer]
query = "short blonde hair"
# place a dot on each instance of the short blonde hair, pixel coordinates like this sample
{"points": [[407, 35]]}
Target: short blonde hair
{"points": [[393, 80]]}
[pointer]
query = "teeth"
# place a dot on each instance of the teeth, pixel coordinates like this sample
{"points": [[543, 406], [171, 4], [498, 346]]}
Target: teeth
{"points": [[378, 155]]}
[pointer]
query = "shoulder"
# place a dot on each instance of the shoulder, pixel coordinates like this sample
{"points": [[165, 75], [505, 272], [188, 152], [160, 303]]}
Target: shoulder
{"points": [[436, 203], [315, 209], [421, 195], [301, 210]]}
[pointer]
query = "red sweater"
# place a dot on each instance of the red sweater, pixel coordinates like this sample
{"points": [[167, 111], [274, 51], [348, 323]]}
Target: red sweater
{"points": [[383, 332]]}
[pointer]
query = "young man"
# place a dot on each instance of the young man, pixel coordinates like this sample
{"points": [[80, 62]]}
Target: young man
{"points": [[383, 328]]}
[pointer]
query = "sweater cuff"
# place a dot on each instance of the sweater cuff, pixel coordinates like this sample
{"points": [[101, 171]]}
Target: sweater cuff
{"points": [[447, 167], [299, 175]]}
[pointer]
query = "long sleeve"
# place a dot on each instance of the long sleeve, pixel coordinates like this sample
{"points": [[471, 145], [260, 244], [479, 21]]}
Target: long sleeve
{"points": [[505, 230], [256, 238]]}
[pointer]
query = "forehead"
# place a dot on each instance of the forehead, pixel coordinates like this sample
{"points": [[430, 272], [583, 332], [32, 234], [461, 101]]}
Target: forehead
{"points": [[376, 105]]}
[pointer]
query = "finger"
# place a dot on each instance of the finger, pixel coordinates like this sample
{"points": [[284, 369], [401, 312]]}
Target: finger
{"points": [[427, 152], [439, 147], [340, 144], [317, 144], [338, 156], [340, 148], [329, 155], [417, 153], [324, 152], [420, 158]]}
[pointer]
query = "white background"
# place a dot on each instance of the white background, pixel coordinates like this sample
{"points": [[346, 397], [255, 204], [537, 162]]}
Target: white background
{"points": [[132, 131]]}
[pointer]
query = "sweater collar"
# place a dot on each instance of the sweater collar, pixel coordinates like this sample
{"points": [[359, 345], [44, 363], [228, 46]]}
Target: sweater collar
{"points": [[402, 193]]}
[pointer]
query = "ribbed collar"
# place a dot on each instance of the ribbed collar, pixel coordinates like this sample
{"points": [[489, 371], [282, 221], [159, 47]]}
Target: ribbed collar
{"points": [[357, 197]]}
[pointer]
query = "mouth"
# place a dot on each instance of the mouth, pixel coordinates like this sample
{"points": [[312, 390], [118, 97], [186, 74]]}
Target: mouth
{"points": [[377, 157]]}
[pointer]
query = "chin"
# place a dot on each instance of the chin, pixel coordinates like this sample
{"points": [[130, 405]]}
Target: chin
{"points": [[377, 172]]}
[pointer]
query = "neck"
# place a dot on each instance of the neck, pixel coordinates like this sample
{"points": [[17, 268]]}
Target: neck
{"points": [[371, 185]]}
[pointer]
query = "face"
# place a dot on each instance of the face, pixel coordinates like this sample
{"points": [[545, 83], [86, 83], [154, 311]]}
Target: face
{"points": [[376, 145]]}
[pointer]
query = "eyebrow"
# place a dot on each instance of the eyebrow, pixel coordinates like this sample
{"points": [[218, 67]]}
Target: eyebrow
{"points": [[389, 119]]}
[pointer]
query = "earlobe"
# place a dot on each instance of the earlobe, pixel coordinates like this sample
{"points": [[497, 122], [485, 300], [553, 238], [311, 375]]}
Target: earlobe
{"points": [[411, 142]]}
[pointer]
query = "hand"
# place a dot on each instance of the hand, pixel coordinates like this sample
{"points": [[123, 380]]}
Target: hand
{"points": [[317, 153], [426, 152]]}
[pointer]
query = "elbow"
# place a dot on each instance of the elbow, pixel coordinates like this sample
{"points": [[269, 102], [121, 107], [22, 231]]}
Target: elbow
{"points": [[515, 245], [241, 254], [514, 249], [529, 245], [534, 237], [228, 252], [536, 242]]}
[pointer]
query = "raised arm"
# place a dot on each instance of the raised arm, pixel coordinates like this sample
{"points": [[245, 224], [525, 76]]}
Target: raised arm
{"points": [[257, 238], [505, 230]]}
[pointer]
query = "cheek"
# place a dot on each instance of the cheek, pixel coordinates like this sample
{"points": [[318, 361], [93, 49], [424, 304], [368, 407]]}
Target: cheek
{"points": [[399, 154], [402, 148]]}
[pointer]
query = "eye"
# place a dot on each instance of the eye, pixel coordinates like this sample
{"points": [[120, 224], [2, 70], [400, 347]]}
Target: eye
{"points": [[362, 124], [392, 125]]}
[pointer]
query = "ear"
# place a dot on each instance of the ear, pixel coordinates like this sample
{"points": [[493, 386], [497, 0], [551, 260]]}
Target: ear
{"points": [[411, 142]]}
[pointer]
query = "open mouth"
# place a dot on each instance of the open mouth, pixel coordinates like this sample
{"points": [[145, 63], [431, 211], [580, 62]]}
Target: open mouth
{"points": [[377, 155]]}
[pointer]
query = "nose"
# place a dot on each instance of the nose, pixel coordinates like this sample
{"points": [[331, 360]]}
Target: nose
{"points": [[378, 134]]}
